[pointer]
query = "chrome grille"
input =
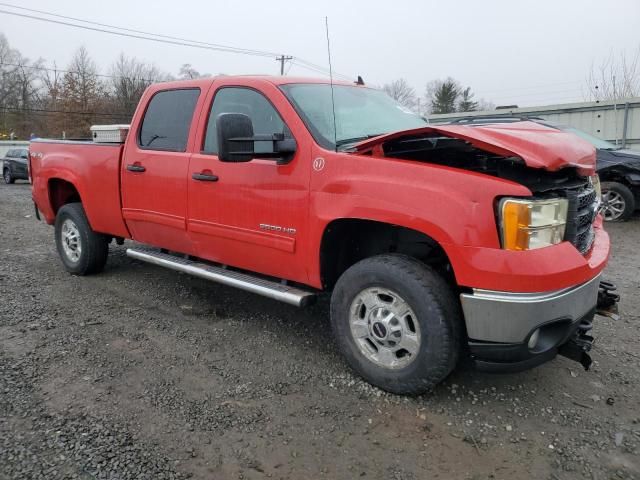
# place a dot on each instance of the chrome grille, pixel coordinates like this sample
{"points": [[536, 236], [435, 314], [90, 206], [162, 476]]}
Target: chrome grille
{"points": [[583, 208]]}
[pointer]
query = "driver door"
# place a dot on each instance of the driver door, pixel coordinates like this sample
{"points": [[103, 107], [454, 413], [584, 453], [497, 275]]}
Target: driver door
{"points": [[251, 215]]}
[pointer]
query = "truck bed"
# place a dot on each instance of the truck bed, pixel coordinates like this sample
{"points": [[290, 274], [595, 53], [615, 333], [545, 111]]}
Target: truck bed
{"points": [[94, 169]]}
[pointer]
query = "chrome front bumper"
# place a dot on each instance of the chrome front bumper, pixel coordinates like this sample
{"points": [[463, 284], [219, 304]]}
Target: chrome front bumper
{"points": [[505, 317]]}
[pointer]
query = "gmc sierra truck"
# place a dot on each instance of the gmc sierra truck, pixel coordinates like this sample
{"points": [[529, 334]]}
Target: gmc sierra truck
{"points": [[436, 242]]}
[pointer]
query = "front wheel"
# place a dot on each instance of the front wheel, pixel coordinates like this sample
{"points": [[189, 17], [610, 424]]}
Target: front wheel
{"points": [[397, 322], [81, 250], [618, 202], [8, 178]]}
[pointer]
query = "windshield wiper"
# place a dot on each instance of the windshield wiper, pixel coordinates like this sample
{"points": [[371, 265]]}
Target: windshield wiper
{"points": [[349, 141]]}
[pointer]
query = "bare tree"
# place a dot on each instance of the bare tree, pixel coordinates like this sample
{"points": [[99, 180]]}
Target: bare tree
{"points": [[51, 102], [8, 82], [129, 79], [19, 90], [83, 94], [187, 72], [27, 96], [616, 77], [402, 92], [52, 83], [485, 105]]}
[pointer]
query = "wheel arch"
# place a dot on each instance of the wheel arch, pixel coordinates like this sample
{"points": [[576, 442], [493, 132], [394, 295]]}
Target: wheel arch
{"points": [[345, 241], [615, 174], [61, 192]]}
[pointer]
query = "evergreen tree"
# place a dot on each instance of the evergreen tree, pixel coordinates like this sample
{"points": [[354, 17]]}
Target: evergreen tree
{"points": [[443, 95]]}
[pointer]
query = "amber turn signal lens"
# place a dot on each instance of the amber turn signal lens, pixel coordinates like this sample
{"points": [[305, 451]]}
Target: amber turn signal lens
{"points": [[529, 224], [516, 217]]}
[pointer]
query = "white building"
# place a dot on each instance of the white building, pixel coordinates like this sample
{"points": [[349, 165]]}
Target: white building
{"points": [[618, 122]]}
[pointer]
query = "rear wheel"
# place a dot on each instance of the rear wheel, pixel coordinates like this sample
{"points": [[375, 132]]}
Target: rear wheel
{"points": [[618, 202], [8, 178], [81, 250], [397, 322]]}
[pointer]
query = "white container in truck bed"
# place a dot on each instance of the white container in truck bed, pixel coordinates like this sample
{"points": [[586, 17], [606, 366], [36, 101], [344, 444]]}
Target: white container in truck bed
{"points": [[109, 133]]}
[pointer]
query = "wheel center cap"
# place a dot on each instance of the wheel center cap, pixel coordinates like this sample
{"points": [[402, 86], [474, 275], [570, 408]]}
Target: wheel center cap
{"points": [[379, 330]]}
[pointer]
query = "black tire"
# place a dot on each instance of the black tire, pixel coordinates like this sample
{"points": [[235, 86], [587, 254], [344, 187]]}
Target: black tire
{"points": [[623, 194], [8, 178], [94, 246], [438, 315]]}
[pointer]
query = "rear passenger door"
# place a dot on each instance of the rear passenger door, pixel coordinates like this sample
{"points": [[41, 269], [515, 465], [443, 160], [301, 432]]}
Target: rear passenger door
{"points": [[154, 169]]}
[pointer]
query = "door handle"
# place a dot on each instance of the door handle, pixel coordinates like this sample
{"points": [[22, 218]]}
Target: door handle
{"points": [[205, 177], [136, 168]]}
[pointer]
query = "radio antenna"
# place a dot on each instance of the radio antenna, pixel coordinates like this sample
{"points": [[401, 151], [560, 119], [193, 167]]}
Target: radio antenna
{"points": [[333, 102]]}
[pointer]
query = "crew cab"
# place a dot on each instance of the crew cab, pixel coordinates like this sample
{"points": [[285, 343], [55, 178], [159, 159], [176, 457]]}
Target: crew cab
{"points": [[436, 242]]}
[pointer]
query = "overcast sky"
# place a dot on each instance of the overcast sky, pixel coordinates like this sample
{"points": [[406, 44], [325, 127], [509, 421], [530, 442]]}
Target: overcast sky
{"points": [[509, 52]]}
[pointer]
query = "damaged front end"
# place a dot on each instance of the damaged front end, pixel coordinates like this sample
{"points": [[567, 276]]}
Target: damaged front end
{"points": [[579, 345], [514, 331]]}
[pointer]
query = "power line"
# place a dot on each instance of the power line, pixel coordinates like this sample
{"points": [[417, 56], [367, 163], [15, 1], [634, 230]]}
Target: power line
{"points": [[140, 37], [150, 80], [45, 111], [143, 35], [318, 68], [313, 69], [61, 70], [169, 37]]}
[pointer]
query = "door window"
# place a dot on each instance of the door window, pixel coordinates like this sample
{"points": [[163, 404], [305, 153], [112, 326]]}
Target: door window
{"points": [[264, 116], [167, 120]]}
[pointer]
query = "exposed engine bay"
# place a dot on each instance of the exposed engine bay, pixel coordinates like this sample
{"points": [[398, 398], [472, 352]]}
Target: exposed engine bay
{"points": [[565, 183], [458, 153]]}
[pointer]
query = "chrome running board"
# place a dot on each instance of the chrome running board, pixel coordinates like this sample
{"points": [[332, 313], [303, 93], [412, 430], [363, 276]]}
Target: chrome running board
{"points": [[243, 281]]}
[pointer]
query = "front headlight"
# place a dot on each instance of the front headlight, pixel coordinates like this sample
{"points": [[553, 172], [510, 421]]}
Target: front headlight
{"points": [[529, 224]]}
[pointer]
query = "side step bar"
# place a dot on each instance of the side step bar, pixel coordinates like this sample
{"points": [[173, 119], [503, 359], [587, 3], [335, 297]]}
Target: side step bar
{"points": [[243, 281]]}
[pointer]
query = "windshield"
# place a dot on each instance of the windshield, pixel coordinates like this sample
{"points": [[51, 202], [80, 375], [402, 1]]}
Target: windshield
{"points": [[595, 141], [361, 113]]}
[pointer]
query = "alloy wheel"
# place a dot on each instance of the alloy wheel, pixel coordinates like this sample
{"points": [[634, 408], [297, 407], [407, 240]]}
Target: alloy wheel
{"points": [[71, 244], [384, 328], [613, 205]]}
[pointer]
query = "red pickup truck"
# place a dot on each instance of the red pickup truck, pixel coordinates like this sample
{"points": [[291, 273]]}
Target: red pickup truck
{"points": [[436, 242]]}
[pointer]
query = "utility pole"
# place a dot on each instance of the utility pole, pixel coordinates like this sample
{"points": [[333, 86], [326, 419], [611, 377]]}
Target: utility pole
{"points": [[282, 59]]}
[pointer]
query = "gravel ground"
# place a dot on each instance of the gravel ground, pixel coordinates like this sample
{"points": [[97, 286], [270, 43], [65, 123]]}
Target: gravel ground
{"points": [[145, 373]]}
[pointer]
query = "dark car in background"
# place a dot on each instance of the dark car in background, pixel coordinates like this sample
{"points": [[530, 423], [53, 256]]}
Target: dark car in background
{"points": [[15, 165], [618, 169]]}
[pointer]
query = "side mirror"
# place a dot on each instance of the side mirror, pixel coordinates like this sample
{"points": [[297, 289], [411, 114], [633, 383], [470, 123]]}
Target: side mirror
{"points": [[238, 143], [235, 137]]}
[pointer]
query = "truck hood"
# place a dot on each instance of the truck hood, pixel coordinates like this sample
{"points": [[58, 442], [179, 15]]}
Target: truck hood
{"points": [[537, 145]]}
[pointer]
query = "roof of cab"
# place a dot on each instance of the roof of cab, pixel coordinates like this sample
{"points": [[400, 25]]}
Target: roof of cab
{"points": [[203, 83]]}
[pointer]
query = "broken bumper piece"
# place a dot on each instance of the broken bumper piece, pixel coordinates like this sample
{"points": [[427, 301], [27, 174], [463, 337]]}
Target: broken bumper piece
{"points": [[562, 325]]}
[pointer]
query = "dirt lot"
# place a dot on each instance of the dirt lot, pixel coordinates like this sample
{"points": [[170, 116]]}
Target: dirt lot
{"points": [[144, 373]]}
